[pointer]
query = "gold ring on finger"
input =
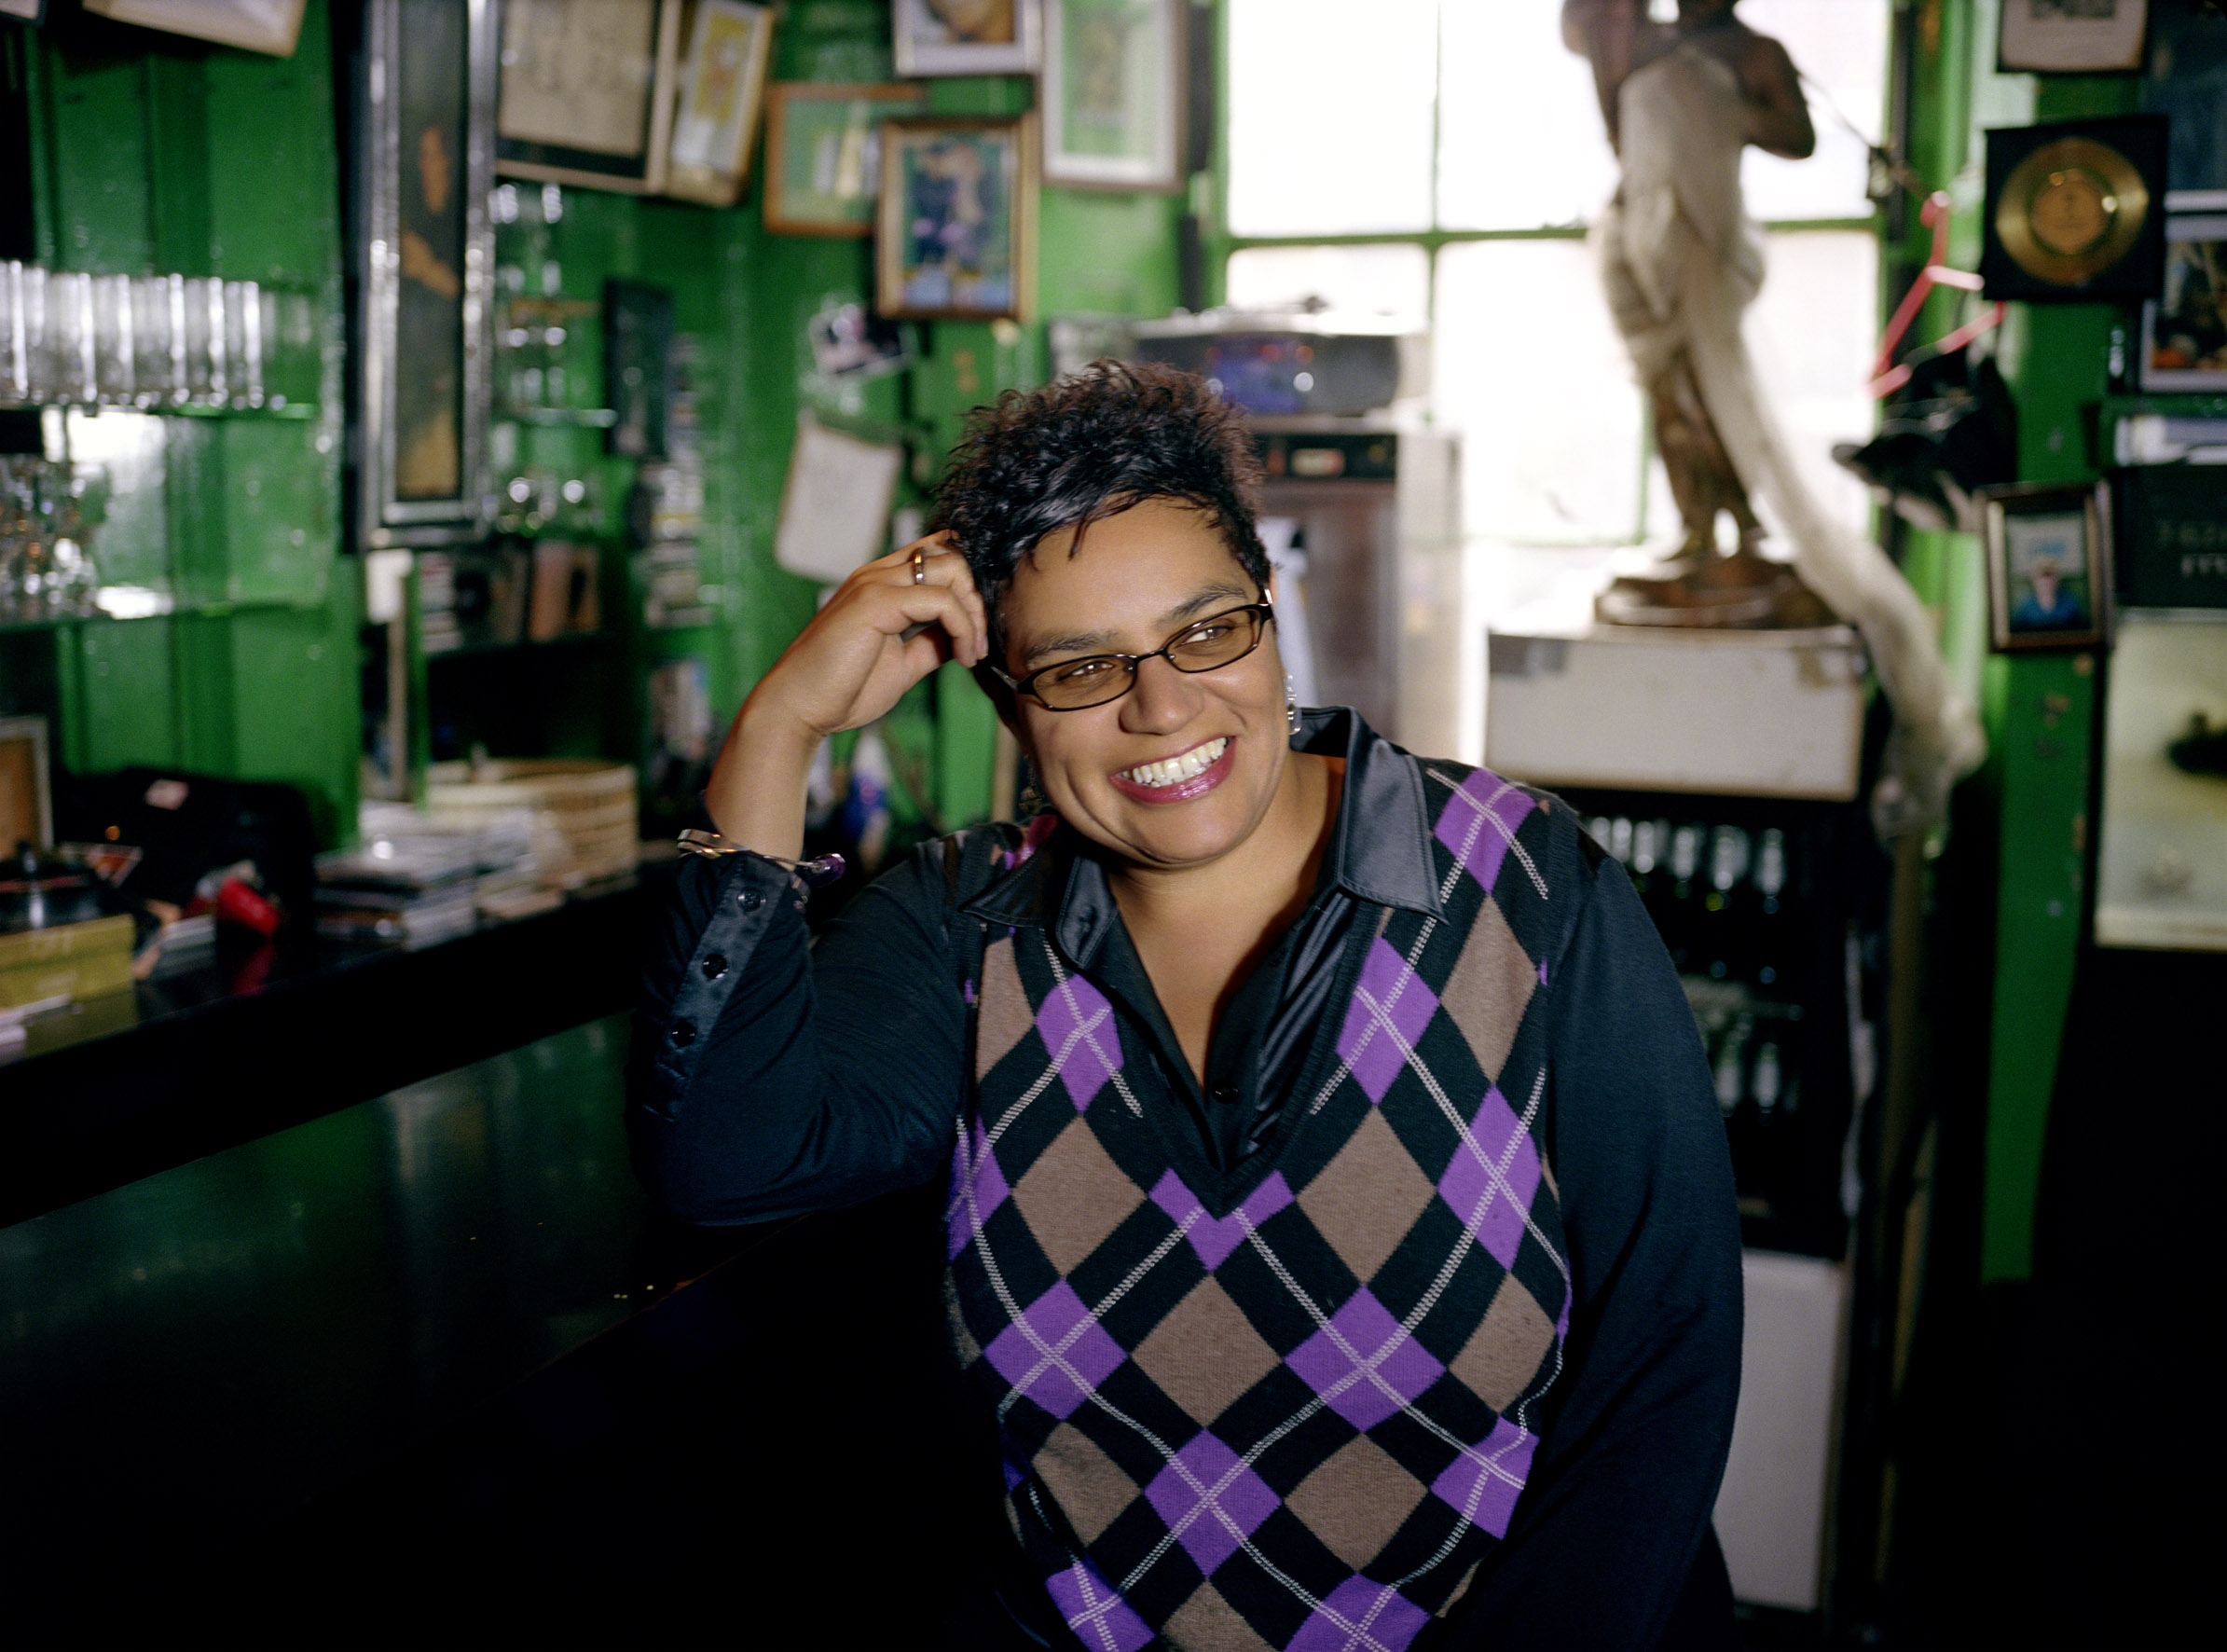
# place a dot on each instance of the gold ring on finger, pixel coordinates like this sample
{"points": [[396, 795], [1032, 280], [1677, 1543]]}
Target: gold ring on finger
{"points": [[919, 566]]}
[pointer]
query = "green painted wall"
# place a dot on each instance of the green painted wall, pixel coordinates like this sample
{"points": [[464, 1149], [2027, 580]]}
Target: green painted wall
{"points": [[205, 162], [154, 153]]}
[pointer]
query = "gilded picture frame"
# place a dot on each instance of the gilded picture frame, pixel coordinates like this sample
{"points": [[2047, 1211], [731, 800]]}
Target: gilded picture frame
{"points": [[718, 100], [823, 146], [957, 225], [2047, 546]]}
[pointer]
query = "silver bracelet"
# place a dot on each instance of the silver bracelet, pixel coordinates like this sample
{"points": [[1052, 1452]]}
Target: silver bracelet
{"points": [[814, 874]]}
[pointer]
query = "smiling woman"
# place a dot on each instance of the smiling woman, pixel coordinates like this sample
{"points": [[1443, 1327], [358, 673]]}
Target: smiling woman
{"points": [[1340, 1227]]}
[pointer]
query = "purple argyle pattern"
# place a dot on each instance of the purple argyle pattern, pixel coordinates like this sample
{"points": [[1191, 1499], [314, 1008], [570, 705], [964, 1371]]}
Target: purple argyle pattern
{"points": [[1251, 1407], [1492, 1177], [1054, 1353], [1360, 1615], [1211, 1501], [1094, 1612], [1365, 1363], [1077, 1024], [977, 1189], [1390, 1008], [1480, 821], [1215, 1237], [1484, 1480]]}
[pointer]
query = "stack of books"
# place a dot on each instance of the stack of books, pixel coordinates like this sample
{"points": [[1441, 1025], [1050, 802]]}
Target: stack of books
{"points": [[60, 964], [414, 892]]}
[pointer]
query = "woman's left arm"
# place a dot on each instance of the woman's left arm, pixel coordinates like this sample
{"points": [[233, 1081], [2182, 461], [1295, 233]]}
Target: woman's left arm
{"points": [[1619, 1498]]}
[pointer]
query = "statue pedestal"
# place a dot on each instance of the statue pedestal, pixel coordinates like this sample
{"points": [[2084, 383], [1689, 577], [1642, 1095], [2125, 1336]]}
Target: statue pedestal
{"points": [[1763, 713]]}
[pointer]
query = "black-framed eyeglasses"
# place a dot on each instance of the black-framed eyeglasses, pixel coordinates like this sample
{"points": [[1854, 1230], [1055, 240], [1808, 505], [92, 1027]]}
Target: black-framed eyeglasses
{"points": [[1203, 645]]}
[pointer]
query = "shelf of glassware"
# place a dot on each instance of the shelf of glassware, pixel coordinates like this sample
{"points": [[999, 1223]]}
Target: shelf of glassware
{"points": [[108, 465]]}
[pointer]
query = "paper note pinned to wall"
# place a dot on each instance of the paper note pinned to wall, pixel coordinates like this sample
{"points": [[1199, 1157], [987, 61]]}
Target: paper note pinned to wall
{"points": [[835, 509]]}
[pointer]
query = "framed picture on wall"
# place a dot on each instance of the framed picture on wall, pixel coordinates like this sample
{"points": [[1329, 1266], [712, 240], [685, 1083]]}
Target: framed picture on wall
{"points": [[1112, 93], [956, 221], [965, 37], [271, 27], [2048, 551], [586, 91], [823, 154], [2071, 37], [2184, 331], [426, 252], [720, 91]]}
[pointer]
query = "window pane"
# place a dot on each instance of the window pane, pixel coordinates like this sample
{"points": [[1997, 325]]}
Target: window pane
{"points": [[1521, 140], [1375, 280], [1331, 116], [1841, 47], [1812, 334], [1529, 370]]}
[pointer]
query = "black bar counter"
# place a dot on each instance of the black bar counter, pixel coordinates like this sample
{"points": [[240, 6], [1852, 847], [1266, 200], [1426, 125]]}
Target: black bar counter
{"points": [[422, 1370], [266, 1034]]}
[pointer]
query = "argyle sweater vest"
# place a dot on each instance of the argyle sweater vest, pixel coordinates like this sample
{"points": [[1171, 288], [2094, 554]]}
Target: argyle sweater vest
{"points": [[1291, 1406]]}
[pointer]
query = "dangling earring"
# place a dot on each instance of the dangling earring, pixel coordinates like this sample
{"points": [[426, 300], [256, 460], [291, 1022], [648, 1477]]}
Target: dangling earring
{"points": [[1291, 705]]}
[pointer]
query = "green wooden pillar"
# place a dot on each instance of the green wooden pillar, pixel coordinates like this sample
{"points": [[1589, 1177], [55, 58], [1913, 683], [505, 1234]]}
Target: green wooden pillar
{"points": [[2041, 715]]}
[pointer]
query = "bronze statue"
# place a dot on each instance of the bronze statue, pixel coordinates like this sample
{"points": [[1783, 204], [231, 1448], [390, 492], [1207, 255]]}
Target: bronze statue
{"points": [[1699, 89]]}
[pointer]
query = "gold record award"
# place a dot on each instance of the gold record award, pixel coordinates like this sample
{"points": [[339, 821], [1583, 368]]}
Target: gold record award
{"points": [[2071, 210]]}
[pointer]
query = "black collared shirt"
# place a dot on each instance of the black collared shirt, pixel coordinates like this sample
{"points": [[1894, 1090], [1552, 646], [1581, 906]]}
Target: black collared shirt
{"points": [[1261, 1039]]}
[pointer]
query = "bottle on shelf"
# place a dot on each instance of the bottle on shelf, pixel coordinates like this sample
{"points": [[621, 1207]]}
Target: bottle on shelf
{"points": [[1770, 939], [1720, 949]]}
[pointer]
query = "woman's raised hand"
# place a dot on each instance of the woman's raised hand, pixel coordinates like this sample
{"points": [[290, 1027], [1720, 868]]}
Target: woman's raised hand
{"points": [[887, 626]]}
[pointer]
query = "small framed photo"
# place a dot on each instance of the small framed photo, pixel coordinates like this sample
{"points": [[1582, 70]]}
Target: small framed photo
{"points": [[2072, 36], [26, 803], [966, 36], [271, 26], [956, 223], [1112, 93], [586, 96], [2184, 332], [721, 87], [2048, 549], [823, 154]]}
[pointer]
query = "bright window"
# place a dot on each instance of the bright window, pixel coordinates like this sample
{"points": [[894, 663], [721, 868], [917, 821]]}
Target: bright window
{"points": [[1456, 150]]}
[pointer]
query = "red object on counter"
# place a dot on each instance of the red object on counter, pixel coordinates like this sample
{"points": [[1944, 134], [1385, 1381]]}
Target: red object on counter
{"points": [[238, 902]]}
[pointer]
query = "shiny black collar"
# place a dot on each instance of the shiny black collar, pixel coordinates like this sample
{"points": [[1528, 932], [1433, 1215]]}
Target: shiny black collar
{"points": [[1379, 852]]}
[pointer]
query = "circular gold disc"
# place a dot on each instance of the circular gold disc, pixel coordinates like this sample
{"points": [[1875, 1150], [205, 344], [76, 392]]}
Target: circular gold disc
{"points": [[2071, 210]]}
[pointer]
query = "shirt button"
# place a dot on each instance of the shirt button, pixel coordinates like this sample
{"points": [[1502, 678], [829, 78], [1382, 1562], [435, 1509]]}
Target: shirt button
{"points": [[715, 966], [1225, 1094], [751, 900], [684, 1033]]}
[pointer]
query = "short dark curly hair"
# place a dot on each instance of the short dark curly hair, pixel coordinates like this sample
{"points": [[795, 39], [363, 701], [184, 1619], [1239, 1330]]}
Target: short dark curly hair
{"points": [[1089, 445]]}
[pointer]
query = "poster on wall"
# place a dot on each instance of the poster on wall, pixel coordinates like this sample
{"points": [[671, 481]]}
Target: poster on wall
{"points": [[2184, 330], [965, 37], [271, 27], [1112, 90], [2071, 37], [2048, 554], [720, 90], [426, 251], [955, 222], [586, 94]]}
